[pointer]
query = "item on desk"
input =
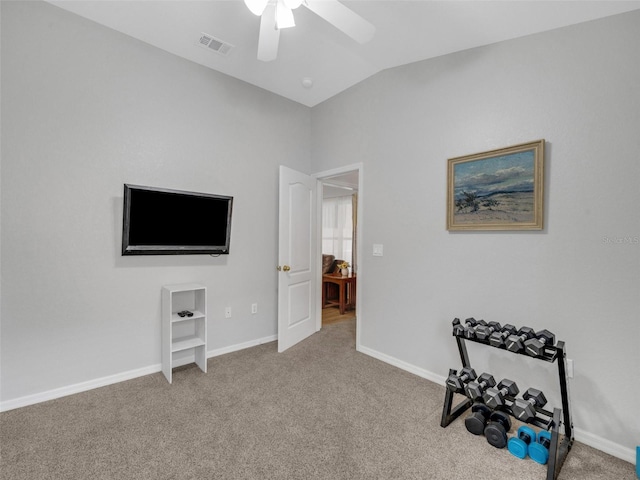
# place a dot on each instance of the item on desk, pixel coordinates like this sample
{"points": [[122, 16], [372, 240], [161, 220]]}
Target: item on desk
{"points": [[344, 268]]}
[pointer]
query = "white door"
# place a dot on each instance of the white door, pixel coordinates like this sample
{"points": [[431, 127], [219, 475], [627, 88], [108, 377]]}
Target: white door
{"points": [[297, 263]]}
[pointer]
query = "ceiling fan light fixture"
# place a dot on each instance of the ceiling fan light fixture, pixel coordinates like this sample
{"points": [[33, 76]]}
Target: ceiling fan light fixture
{"points": [[284, 16], [256, 6]]}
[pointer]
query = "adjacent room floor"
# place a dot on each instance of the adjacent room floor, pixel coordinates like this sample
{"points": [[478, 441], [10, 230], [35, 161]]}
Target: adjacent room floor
{"points": [[332, 315]]}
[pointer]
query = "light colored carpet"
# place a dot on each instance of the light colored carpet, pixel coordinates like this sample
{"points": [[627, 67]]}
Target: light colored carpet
{"points": [[318, 411]]}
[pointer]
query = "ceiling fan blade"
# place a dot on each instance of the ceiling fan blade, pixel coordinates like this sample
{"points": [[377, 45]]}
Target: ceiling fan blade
{"points": [[269, 35], [342, 18], [284, 16]]}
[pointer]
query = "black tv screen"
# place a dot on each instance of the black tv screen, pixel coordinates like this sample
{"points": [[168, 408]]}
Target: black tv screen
{"points": [[160, 221]]}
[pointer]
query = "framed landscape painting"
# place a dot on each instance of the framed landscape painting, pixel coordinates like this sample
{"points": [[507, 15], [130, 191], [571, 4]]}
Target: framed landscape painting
{"points": [[497, 190]]}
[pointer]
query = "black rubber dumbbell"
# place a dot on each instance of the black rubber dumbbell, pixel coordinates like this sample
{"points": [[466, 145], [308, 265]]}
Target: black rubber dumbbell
{"points": [[483, 332], [494, 397], [477, 421], [515, 343], [497, 428], [476, 388], [470, 331], [535, 346], [524, 409], [497, 339], [459, 328], [456, 383]]}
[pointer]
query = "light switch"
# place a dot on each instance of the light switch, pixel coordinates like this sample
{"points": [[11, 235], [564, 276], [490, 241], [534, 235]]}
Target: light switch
{"points": [[377, 250]]}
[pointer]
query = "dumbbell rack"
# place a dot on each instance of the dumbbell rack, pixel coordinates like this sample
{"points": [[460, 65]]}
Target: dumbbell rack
{"points": [[558, 449]]}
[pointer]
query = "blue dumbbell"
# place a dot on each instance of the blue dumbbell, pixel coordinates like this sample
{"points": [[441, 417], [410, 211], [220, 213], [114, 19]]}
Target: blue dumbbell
{"points": [[519, 445], [539, 450]]}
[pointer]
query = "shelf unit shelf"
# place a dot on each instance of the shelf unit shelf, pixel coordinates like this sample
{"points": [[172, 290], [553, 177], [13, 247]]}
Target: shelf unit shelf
{"points": [[177, 318], [552, 421], [184, 343], [184, 334]]}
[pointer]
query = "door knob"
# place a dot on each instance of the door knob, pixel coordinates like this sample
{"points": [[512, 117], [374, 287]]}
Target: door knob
{"points": [[286, 268]]}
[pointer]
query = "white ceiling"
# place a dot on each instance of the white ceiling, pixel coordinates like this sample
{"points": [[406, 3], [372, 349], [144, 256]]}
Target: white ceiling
{"points": [[406, 31]]}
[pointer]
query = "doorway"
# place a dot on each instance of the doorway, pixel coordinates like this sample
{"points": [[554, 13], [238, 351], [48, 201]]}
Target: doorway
{"points": [[341, 192]]}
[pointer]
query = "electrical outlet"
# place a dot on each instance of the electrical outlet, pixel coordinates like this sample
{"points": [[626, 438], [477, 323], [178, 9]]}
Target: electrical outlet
{"points": [[569, 368], [254, 308], [227, 312]]}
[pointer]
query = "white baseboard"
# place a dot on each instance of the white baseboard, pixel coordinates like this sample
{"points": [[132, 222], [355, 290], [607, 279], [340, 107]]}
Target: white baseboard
{"points": [[119, 377], [421, 372], [604, 445], [241, 346], [77, 388], [599, 443]]}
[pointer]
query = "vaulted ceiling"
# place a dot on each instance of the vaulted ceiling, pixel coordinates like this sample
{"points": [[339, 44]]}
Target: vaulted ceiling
{"points": [[406, 31]]}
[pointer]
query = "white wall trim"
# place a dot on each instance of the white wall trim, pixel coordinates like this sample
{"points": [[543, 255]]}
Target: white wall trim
{"points": [[595, 441], [421, 372], [119, 377], [604, 445], [77, 388], [359, 167], [241, 346]]}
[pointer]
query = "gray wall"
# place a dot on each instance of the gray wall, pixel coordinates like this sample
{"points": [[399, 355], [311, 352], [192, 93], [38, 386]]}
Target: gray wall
{"points": [[84, 110], [577, 88]]}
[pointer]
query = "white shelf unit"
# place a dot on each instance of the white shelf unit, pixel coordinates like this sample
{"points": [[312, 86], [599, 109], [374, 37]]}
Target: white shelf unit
{"points": [[184, 339]]}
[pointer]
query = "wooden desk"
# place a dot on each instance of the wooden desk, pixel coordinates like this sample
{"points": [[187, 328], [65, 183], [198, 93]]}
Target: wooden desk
{"points": [[346, 291]]}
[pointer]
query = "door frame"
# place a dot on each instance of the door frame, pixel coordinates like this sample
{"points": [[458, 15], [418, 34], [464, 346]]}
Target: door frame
{"points": [[359, 250]]}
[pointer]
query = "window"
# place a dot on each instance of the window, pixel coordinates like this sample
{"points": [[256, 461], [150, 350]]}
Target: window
{"points": [[337, 227]]}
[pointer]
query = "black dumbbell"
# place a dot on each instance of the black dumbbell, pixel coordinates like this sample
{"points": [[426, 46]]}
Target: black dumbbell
{"points": [[470, 331], [477, 421], [476, 388], [496, 430], [459, 328], [515, 343], [497, 339], [494, 397], [483, 332], [456, 383], [535, 346], [470, 322], [524, 409]]}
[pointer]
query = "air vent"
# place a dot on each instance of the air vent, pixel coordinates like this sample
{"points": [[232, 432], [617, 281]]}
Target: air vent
{"points": [[215, 44]]}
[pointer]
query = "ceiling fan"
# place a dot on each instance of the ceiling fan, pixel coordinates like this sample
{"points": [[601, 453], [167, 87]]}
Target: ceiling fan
{"points": [[278, 14]]}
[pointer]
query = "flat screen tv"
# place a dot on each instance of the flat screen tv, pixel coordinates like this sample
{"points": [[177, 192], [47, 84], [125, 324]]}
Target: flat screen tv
{"points": [[160, 221]]}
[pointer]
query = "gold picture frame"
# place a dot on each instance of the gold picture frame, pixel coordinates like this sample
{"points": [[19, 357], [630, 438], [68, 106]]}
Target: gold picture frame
{"points": [[497, 190]]}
